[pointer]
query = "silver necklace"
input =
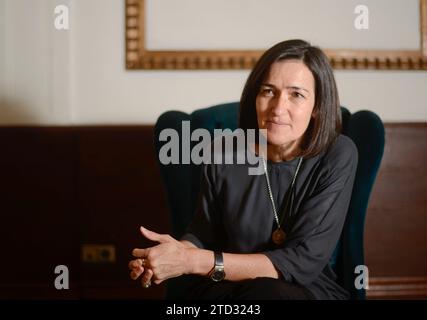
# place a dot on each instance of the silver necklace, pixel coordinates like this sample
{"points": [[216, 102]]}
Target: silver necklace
{"points": [[278, 235]]}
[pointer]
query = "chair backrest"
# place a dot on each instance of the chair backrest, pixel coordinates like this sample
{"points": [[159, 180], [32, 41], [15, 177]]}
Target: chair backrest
{"points": [[365, 128]]}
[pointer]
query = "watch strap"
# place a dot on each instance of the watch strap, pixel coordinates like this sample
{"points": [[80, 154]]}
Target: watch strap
{"points": [[219, 259]]}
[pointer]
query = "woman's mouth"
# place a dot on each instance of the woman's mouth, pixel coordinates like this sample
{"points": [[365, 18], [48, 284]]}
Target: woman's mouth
{"points": [[278, 123]]}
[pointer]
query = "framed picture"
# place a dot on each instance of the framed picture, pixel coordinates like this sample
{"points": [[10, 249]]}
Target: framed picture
{"points": [[221, 32]]}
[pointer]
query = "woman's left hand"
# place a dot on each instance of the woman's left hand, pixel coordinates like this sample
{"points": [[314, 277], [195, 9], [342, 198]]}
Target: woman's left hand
{"points": [[166, 260]]}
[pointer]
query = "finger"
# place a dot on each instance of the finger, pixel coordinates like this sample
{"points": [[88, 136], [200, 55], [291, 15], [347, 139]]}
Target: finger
{"points": [[134, 274], [158, 281], [138, 269], [148, 274], [154, 236], [140, 253], [146, 278], [135, 263]]}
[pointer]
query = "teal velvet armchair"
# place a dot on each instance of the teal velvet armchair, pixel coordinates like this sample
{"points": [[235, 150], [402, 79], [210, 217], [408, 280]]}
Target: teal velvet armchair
{"points": [[181, 183]]}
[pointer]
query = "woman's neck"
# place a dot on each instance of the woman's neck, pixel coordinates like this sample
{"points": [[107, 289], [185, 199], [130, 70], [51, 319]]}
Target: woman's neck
{"points": [[279, 153]]}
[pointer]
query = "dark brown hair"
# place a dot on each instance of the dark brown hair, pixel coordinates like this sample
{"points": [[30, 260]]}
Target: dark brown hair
{"points": [[325, 126]]}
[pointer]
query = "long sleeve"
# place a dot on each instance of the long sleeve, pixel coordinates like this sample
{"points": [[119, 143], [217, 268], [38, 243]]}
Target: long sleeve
{"points": [[206, 228], [319, 220]]}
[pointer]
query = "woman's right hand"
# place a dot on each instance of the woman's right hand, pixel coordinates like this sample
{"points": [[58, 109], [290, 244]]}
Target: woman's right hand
{"points": [[141, 265]]}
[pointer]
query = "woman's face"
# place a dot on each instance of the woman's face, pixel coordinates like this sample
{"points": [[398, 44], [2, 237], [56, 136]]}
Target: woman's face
{"points": [[285, 102]]}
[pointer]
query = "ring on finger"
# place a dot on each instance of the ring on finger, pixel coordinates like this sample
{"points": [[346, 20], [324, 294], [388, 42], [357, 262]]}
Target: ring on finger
{"points": [[147, 284]]}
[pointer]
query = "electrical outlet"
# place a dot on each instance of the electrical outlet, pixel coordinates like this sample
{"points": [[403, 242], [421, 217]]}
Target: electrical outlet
{"points": [[98, 253]]}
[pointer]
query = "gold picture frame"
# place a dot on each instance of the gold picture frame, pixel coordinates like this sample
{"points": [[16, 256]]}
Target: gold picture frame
{"points": [[138, 57]]}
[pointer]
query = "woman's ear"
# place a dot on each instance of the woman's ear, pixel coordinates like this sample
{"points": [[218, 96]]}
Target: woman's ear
{"points": [[314, 114]]}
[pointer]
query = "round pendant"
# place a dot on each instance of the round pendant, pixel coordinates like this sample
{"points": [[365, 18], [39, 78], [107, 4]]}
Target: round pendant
{"points": [[278, 236]]}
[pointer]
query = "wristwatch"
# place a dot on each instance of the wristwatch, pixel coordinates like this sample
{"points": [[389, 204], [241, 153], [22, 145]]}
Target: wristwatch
{"points": [[217, 273]]}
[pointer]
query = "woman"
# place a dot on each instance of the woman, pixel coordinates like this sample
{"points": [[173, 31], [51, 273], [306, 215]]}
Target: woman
{"points": [[270, 236]]}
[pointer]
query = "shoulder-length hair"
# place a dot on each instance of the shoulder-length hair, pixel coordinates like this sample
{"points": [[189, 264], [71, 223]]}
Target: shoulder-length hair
{"points": [[325, 125]]}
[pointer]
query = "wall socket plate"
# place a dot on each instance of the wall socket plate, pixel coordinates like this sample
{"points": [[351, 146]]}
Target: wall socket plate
{"points": [[98, 253]]}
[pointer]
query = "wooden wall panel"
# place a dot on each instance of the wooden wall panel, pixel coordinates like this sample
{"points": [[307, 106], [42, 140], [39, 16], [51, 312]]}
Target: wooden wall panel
{"points": [[396, 223]]}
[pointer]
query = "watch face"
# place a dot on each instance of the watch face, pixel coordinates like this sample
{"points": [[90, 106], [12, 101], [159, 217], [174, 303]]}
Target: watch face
{"points": [[218, 275]]}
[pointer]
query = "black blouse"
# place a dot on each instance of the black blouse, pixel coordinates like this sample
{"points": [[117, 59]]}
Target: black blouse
{"points": [[234, 214]]}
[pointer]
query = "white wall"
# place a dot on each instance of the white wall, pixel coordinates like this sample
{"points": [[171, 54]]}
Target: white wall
{"points": [[78, 76], [34, 64]]}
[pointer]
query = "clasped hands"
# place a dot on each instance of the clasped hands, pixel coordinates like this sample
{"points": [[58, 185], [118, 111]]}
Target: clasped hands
{"points": [[167, 259]]}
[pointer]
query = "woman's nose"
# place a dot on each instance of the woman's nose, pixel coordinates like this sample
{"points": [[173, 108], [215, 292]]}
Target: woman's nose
{"points": [[279, 105]]}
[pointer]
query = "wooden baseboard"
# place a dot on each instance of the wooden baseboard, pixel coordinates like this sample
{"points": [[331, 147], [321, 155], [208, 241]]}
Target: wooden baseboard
{"points": [[397, 288]]}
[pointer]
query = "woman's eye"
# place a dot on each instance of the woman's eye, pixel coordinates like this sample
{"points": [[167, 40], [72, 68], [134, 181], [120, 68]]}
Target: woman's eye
{"points": [[267, 92], [296, 94]]}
